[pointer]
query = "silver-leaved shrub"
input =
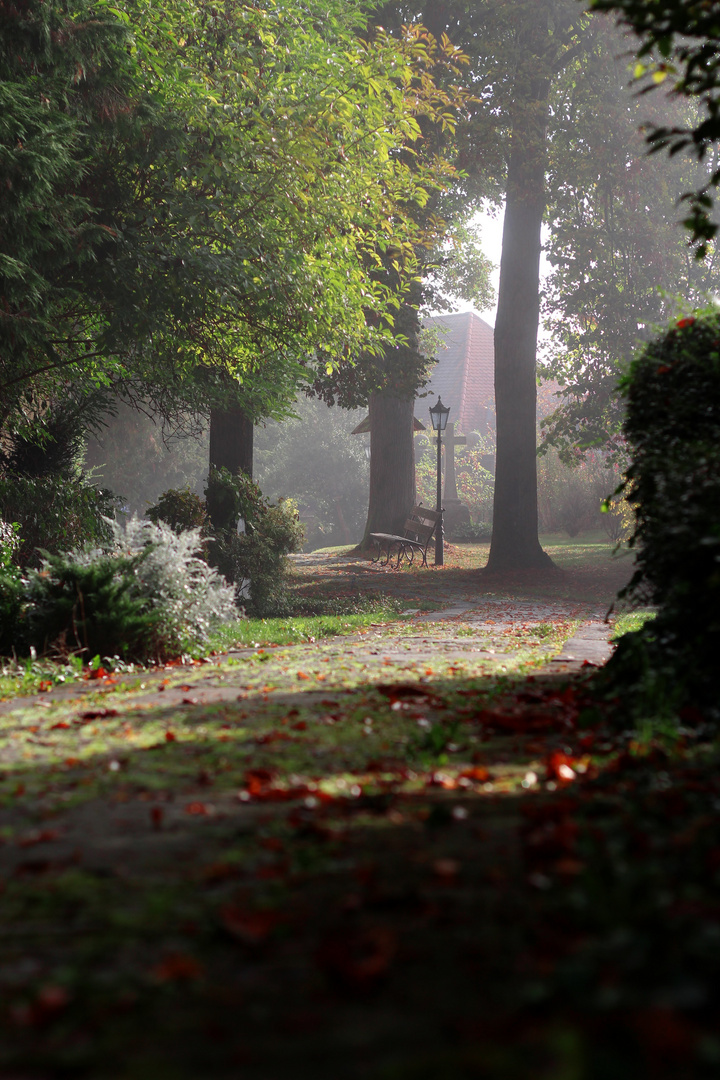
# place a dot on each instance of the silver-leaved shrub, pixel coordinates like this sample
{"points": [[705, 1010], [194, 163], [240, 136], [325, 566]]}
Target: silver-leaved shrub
{"points": [[147, 596]]}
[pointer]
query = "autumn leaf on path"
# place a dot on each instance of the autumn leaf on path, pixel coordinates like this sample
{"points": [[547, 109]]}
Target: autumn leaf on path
{"points": [[358, 960], [177, 967], [252, 928]]}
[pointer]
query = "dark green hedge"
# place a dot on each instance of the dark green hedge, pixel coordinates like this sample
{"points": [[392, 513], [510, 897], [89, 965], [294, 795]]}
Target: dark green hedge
{"points": [[673, 431]]}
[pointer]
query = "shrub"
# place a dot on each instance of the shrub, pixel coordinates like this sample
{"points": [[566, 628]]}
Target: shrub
{"points": [[257, 555], [181, 509], [11, 586], [673, 482], [147, 598], [55, 513], [229, 498]]}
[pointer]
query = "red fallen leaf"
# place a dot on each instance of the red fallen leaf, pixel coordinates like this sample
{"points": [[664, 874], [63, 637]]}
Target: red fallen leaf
{"points": [[252, 928], [358, 960], [478, 773], [156, 816], [44, 686], [189, 701], [98, 714], [50, 1002], [98, 673], [403, 692], [691, 715], [568, 867], [177, 967], [39, 836], [300, 726], [219, 871], [271, 737], [559, 767], [665, 1036], [199, 809], [170, 736], [443, 780], [70, 761], [61, 724], [687, 321], [272, 873], [257, 780], [446, 869], [271, 843], [302, 675], [524, 721]]}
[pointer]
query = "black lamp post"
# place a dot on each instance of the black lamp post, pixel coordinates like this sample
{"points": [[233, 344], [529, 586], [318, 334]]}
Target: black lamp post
{"points": [[439, 415]]}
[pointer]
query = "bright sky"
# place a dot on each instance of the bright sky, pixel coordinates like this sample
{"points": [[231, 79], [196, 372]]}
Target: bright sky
{"points": [[492, 246]]}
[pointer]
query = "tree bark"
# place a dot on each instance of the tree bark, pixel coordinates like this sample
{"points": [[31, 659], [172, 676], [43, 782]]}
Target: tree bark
{"points": [[231, 441], [515, 543], [392, 463]]}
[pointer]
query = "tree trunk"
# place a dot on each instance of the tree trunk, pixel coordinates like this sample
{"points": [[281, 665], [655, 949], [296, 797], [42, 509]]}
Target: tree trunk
{"points": [[515, 543], [231, 441], [392, 463]]}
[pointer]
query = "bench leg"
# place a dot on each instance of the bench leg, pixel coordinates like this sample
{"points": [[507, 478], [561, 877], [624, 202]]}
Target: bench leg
{"points": [[382, 550]]}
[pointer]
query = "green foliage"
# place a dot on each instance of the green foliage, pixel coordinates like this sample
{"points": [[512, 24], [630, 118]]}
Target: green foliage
{"points": [[230, 498], [253, 559], [55, 514], [181, 510], [189, 189], [673, 429], [679, 51], [616, 273], [150, 597], [11, 585]]}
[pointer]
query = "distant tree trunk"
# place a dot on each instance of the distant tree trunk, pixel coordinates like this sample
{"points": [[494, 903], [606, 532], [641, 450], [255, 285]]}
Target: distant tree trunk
{"points": [[392, 463], [515, 543], [231, 440]]}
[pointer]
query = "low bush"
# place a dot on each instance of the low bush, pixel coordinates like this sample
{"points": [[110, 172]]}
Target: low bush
{"points": [[148, 597], [55, 513], [254, 560], [181, 509], [11, 585], [673, 483]]}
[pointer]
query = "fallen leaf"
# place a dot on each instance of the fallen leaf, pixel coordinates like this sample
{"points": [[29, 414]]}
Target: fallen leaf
{"points": [[358, 960], [39, 836], [252, 928], [177, 967]]}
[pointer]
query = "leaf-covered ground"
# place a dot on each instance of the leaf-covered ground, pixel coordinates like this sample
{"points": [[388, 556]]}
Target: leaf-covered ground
{"points": [[418, 851]]}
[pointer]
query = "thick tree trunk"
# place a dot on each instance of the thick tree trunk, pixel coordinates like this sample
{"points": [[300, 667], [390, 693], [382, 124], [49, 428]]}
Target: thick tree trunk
{"points": [[231, 441], [392, 463], [515, 543]]}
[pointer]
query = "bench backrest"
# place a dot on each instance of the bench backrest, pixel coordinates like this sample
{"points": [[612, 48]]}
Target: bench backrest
{"points": [[421, 524]]}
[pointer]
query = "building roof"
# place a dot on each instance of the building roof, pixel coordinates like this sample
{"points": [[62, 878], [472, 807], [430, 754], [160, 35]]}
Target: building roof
{"points": [[464, 374]]}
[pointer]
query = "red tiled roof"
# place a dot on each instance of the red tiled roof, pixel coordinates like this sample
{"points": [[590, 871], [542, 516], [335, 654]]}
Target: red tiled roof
{"points": [[464, 374]]}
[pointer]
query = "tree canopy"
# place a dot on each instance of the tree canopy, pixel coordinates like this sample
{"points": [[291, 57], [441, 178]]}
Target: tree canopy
{"points": [[620, 262], [679, 49], [204, 188]]}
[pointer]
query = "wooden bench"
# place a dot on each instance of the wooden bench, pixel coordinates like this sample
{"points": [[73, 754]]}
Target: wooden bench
{"points": [[417, 534]]}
